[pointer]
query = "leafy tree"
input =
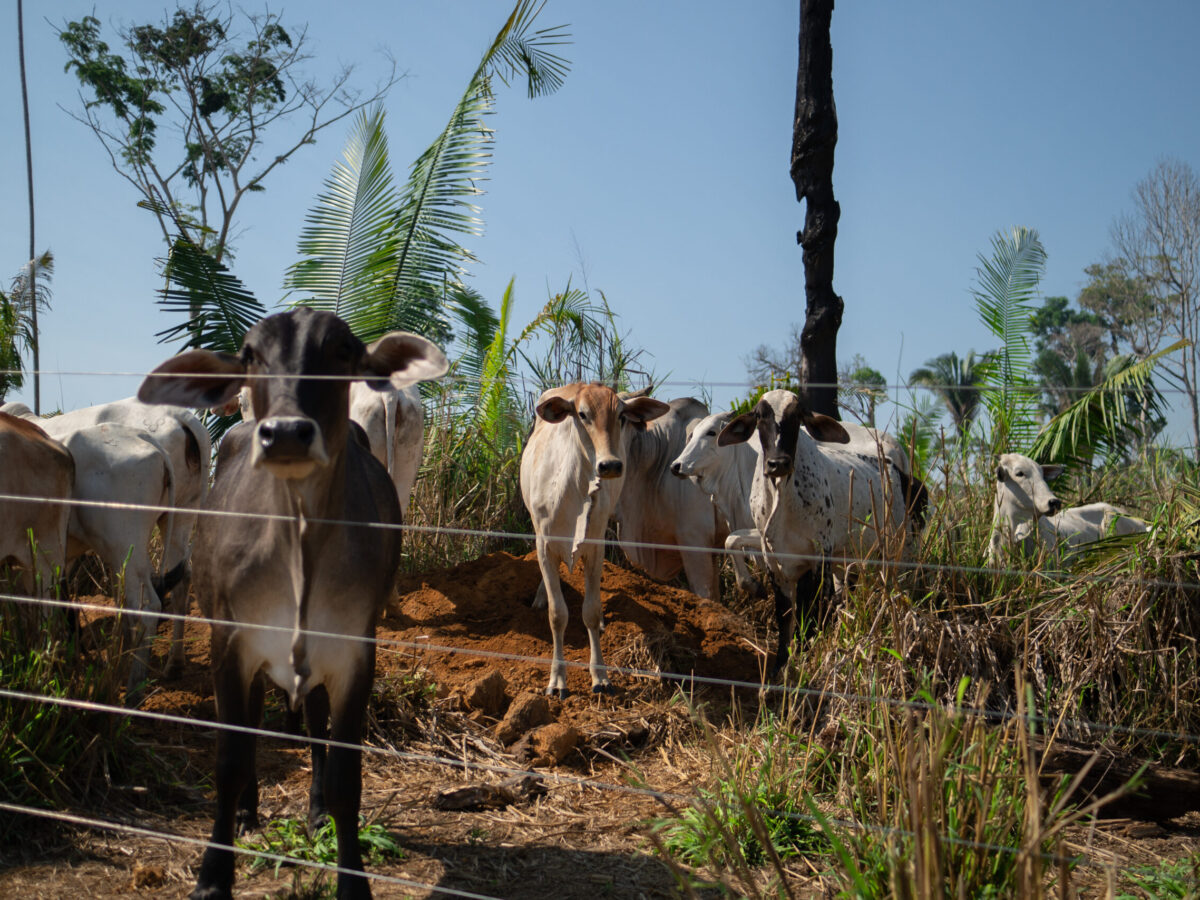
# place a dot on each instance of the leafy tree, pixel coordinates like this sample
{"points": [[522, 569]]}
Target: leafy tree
{"points": [[1006, 285], [1158, 244], [956, 382], [860, 388], [18, 308], [766, 364], [379, 258], [224, 87]]}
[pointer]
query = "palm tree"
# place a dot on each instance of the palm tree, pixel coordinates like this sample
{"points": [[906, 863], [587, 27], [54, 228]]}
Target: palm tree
{"points": [[18, 319], [956, 381]]}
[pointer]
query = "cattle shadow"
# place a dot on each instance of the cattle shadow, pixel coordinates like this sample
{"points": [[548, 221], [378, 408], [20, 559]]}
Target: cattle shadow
{"points": [[555, 873]]}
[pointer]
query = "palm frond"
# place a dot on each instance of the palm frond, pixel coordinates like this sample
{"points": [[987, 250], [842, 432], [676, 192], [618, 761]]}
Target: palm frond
{"points": [[436, 204], [1006, 286], [217, 306], [1105, 420], [345, 247]]}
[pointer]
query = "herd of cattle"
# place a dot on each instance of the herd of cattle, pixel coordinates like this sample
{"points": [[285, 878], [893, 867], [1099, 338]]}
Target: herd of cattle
{"points": [[284, 550]]}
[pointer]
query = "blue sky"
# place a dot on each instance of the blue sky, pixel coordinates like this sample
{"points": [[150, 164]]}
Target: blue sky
{"points": [[659, 173]]}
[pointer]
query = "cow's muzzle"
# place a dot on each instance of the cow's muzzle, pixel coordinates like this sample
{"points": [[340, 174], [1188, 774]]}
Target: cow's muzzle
{"points": [[610, 468], [777, 466], [677, 470], [290, 445], [1053, 506]]}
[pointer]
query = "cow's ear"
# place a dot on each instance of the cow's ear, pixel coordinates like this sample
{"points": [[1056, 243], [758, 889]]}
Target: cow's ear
{"points": [[739, 430], [197, 378], [402, 359], [1052, 471], [825, 429], [555, 408], [641, 410]]}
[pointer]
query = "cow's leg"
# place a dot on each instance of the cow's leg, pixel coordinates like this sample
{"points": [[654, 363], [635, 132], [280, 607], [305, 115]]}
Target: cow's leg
{"points": [[141, 599], [247, 808], [557, 607], [235, 769], [539, 599], [343, 775], [745, 540], [700, 567], [785, 618], [177, 555], [316, 714], [593, 613]]}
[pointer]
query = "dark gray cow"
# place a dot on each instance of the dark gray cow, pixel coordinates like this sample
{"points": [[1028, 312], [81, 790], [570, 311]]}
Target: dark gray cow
{"points": [[305, 570]]}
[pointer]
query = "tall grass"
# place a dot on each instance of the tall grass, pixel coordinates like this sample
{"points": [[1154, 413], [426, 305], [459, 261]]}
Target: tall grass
{"points": [[51, 754]]}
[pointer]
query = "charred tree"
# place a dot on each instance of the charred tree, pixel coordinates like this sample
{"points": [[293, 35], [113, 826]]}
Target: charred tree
{"points": [[814, 136]]}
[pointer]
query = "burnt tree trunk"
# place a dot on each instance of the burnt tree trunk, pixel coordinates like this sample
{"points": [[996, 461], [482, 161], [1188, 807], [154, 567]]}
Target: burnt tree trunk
{"points": [[814, 136]]}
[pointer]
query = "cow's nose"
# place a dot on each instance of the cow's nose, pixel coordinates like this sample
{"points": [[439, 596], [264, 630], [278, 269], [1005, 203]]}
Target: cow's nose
{"points": [[1054, 506], [777, 465], [286, 435], [677, 469], [610, 468]]}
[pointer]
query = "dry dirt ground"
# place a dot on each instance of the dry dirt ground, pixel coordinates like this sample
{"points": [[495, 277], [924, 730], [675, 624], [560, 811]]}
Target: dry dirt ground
{"points": [[439, 726]]}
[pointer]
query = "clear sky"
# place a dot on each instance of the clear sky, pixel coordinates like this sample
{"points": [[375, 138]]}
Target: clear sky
{"points": [[660, 171]]}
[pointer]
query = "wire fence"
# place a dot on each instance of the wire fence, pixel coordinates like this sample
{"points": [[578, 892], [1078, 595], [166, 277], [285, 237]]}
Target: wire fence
{"points": [[691, 679]]}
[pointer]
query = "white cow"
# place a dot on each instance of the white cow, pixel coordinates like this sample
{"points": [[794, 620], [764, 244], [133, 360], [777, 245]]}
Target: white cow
{"points": [[572, 472], [818, 502], [726, 474], [116, 464], [183, 437], [1026, 512], [394, 422], [656, 508]]}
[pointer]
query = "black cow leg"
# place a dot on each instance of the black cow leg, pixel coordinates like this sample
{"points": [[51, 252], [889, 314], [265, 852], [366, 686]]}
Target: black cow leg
{"points": [[235, 769], [316, 714], [785, 617], [343, 782], [247, 812]]}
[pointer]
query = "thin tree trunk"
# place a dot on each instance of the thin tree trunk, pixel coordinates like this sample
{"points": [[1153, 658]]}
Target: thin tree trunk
{"points": [[32, 280], [814, 136]]}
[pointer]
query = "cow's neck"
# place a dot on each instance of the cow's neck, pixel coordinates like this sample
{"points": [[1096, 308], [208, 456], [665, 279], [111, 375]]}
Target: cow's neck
{"points": [[314, 504]]}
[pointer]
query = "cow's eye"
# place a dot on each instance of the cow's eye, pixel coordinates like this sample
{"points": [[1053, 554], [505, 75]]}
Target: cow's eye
{"points": [[623, 419], [583, 417], [712, 434], [249, 358], [1022, 474]]}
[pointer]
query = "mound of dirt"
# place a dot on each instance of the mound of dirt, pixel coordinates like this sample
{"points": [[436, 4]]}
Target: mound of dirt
{"points": [[483, 608]]}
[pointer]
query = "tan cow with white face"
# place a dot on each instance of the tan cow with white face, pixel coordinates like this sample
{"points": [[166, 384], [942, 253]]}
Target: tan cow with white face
{"points": [[572, 471], [32, 464]]}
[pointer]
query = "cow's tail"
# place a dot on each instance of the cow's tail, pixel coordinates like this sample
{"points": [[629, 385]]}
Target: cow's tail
{"points": [[390, 402], [167, 530]]}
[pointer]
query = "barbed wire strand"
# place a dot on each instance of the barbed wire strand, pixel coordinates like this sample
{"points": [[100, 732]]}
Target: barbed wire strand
{"points": [[818, 694], [746, 385], [452, 531]]}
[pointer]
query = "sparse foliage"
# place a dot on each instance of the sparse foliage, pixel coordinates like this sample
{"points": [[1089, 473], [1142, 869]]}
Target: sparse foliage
{"points": [[229, 85], [26, 296]]}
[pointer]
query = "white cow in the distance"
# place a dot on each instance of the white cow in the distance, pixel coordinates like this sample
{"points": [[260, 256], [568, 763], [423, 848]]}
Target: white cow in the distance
{"points": [[1026, 512]]}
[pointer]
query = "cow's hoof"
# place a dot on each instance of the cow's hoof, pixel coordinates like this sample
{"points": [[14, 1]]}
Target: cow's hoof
{"points": [[317, 819], [210, 893], [245, 821], [560, 693], [604, 688], [173, 670]]}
